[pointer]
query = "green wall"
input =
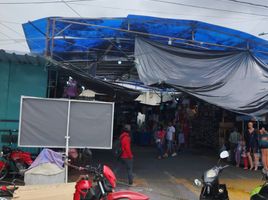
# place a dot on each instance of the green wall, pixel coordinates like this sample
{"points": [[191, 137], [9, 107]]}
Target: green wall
{"points": [[17, 80]]}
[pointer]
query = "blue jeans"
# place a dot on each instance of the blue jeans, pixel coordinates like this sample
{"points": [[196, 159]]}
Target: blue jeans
{"points": [[160, 149], [170, 146]]}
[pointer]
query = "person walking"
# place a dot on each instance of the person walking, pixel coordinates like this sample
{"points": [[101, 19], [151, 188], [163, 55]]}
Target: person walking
{"points": [[238, 152], [263, 143], [170, 136], [234, 138], [252, 146], [126, 155], [160, 138], [244, 154], [181, 140]]}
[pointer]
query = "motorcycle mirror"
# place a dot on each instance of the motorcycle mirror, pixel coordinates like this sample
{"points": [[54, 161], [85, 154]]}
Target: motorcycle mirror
{"points": [[224, 154], [197, 182]]}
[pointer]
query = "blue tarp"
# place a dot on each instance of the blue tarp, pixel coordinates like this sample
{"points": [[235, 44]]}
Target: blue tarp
{"points": [[214, 63], [77, 40]]}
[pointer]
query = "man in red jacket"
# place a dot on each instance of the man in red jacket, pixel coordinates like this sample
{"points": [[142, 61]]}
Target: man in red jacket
{"points": [[127, 156]]}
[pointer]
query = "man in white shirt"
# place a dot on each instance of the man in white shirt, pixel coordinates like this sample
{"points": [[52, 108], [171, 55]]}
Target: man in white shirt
{"points": [[170, 140]]}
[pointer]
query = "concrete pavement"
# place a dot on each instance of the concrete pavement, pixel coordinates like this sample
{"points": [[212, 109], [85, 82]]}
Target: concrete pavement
{"points": [[172, 178]]}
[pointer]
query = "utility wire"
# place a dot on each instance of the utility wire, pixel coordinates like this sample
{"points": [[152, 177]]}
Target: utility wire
{"points": [[248, 3], [206, 8], [99, 60], [71, 8], [11, 38], [17, 39], [10, 22], [100, 32], [40, 2], [8, 27], [32, 39], [10, 42], [160, 1], [161, 12], [18, 33], [74, 68], [77, 68]]}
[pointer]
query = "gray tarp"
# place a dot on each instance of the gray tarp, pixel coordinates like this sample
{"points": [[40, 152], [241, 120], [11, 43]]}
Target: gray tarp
{"points": [[234, 80]]}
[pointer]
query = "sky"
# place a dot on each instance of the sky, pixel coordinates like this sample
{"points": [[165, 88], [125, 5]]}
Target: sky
{"points": [[250, 16]]}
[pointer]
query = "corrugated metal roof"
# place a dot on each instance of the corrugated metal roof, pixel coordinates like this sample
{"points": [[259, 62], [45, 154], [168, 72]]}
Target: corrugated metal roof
{"points": [[89, 81], [21, 58]]}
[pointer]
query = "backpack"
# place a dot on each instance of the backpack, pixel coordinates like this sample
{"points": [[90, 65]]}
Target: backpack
{"points": [[117, 149]]}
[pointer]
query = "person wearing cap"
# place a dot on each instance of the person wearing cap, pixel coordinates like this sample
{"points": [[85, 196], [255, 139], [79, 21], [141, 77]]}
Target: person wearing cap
{"points": [[127, 156]]}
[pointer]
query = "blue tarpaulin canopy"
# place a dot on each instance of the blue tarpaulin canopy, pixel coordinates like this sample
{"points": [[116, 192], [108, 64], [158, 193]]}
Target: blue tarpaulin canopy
{"points": [[99, 44], [216, 64]]}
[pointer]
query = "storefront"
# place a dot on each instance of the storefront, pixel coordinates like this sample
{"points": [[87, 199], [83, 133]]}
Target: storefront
{"points": [[20, 74]]}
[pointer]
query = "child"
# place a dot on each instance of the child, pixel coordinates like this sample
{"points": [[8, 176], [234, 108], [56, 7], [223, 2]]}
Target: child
{"points": [[181, 140], [160, 137], [238, 151], [244, 155]]}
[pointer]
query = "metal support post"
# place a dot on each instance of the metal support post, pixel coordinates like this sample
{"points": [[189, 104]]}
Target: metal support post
{"points": [[67, 137]]}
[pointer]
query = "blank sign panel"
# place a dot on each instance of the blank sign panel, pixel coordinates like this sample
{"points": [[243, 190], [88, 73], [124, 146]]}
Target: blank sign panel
{"points": [[91, 125], [44, 123]]}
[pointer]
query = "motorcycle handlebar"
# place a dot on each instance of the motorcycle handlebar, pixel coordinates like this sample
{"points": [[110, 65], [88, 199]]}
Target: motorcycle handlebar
{"points": [[88, 168], [94, 170], [223, 167]]}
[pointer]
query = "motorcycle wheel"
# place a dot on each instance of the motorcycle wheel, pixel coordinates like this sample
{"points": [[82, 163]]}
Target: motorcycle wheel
{"points": [[3, 173], [204, 195], [257, 197]]}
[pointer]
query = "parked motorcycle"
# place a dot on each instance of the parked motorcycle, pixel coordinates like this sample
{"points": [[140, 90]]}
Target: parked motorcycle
{"points": [[14, 162], [7, 189], [211, 188], [261, 192], [102, 187]]}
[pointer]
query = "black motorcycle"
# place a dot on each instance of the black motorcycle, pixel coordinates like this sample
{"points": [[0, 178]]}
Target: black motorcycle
{"points": [[211, 188]]}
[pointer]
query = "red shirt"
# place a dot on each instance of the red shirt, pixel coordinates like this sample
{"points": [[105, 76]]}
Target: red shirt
{"points": [[126, 146], [161, 135]]}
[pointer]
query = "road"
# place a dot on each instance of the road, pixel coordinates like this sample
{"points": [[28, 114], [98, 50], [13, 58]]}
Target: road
{"points": [[172, 178]]}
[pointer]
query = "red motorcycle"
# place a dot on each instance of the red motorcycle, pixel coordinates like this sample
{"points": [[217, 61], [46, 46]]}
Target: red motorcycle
{"points": [[104, 184], [14, 162], [7, 189]]}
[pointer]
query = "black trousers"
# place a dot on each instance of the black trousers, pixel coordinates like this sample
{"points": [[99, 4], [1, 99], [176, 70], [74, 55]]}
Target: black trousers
{"points": [[232, 152], [128, 163]]}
